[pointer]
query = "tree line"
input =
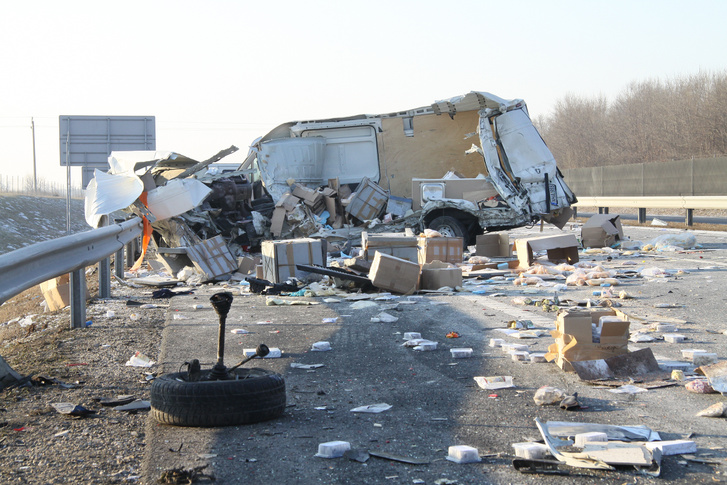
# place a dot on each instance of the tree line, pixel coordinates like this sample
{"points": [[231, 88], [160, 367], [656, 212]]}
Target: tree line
{"points": [[649, 121]]}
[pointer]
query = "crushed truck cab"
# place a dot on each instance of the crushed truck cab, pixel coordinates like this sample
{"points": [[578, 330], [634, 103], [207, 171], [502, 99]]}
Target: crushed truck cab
{"points": [[408, 153]]}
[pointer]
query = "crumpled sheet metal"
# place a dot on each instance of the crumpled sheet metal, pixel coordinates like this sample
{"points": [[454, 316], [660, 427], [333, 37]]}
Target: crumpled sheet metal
{"points": [[107, 193]]}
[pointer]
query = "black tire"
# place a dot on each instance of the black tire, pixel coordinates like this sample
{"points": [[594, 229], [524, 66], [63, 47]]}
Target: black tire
{"points": [[257, 395], [448, 226]]}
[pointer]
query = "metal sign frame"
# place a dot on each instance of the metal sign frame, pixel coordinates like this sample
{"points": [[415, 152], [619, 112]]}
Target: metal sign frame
{"points": [[87, 141]]}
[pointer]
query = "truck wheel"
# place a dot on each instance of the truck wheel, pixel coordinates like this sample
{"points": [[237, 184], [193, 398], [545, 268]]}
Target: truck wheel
{"points": [[448, 226], [256, 395]]}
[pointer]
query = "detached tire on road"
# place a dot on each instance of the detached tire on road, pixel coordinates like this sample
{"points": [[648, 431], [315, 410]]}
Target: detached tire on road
{"points": [[257, 395]]}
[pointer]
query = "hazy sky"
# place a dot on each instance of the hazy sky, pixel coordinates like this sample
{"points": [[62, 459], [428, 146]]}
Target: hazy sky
{"points": [[218, 73]]}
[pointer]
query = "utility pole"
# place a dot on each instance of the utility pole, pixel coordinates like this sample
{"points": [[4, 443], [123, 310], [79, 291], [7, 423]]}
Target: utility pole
{"points": [[35, 176]]}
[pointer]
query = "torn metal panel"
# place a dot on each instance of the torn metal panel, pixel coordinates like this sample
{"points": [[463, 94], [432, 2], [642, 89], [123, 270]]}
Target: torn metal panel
{"points": [[614, 432]]}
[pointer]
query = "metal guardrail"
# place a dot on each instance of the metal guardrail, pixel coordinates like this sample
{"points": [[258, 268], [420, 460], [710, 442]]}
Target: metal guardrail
{"points": [[673, 202], [26, 267], [687, 202]]}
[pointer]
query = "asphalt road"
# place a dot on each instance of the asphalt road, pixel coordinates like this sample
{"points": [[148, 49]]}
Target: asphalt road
{"points": [[435, 401]]}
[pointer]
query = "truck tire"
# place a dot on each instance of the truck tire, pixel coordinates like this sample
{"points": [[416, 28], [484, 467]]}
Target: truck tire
{"points": [[448, 226], [256, 395]]}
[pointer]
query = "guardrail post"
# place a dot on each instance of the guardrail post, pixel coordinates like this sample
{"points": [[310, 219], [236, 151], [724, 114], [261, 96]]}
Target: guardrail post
{"points": [[642, 215], [603, 210], [104, 271], [78, 298], [575, 212], [119, 257], [690, 217], [130, 252]]}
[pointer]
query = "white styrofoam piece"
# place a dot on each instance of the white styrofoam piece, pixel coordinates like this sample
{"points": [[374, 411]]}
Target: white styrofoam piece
{"points": [[274, 353], [412, 335], [704, 358], [674, 447]]}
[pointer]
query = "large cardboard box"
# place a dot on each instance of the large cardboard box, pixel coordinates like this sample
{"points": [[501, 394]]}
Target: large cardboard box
{"points": [[394, 274], [280, 257], [561, 248], [212, 257], [368, 201], [437, 274], [574, 336], [494, 245], [446, 249], [57, 292], [393, 244], [601, 230]]}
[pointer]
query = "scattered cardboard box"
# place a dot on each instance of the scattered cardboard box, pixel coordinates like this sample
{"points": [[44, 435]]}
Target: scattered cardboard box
{"points": [[280, 257], [246, 264], [574, 337], [310, 197], [637, 363], [601, 230], [394, 274], [368, 201], [561, 248], [437, 274], [57, 292], [494, 245], [398, 205], [446, 249], [212, 257], [393, 244], [277, 221]]}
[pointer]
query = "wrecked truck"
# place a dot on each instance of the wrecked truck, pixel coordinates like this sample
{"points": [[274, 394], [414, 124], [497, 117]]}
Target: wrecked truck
{"points": [[406, 153]]}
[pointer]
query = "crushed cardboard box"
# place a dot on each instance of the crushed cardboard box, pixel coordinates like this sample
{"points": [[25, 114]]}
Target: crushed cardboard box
{"points": [[561, 248], [368, 201], [212, 257], [394, 274], [602, 230], [494, 245], [57, 292], [438, 274]]}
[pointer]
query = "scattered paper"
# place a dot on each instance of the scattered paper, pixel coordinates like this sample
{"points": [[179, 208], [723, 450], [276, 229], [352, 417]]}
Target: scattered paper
{"points": [[372, 408], [139, 360]]}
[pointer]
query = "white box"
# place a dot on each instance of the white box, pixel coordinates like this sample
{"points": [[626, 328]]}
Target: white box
{"points": [[463, 454], [461, 353], [674, 338], [531, 450], [496, 342], [333, 449]]}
